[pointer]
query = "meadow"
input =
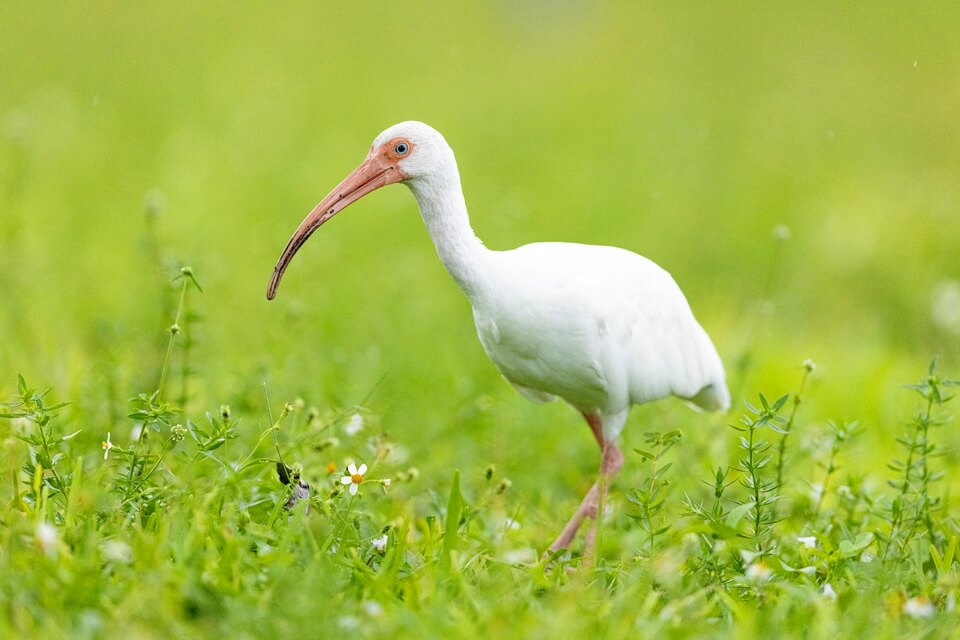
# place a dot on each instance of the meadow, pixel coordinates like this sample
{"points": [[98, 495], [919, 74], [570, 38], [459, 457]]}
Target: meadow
{"points": [[794, 167]]}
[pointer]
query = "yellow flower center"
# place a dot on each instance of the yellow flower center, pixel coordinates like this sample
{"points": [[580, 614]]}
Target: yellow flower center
{"points": [[357, 478]]}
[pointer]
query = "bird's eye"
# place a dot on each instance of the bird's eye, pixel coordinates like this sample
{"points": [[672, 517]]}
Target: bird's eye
{"points": [[401, 148]]}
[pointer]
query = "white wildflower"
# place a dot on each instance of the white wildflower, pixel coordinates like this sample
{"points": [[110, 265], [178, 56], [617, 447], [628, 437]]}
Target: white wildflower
{"points": [[781, 232], [117, 551], [355, 477], [47, 539], [827, 591], [809, 542], [510, 523], [354, 425], [348, 623], [379, 543], [919, 607], [758, 572], [749, 556], [520, 556], [945, 305], [107, 445], [372, 608]]}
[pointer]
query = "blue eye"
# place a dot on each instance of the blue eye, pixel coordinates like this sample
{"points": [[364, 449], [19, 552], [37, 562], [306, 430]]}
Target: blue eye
{"points": [[401, 148]]}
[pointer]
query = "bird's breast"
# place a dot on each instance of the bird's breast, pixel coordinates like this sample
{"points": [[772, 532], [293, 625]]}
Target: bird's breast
{"points": [[547, 349]]}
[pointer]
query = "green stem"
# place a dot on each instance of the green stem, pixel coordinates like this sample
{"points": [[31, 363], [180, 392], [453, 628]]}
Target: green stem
{"points": [[44, 420], [149, 473], [174, 330], [789, 427]]}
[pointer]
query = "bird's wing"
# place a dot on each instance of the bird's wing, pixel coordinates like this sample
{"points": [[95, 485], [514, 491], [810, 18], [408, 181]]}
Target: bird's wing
{"points": [[647, 342]]}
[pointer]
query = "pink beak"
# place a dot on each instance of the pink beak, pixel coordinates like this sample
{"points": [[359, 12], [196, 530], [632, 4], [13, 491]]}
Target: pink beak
{"points": [[377, 170]]}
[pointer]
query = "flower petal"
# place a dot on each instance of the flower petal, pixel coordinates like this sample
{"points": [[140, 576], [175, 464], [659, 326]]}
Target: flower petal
{"points": [[353, 489], [362, 470], [346, 480], [352, 469]]}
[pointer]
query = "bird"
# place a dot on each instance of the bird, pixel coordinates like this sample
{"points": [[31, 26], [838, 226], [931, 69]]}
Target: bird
{"points": [[599, 327]]}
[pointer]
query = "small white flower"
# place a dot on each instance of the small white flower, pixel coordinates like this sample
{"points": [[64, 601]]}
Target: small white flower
{"points": [[107, 445], [348, 623], [758, 571], [750, 556], [510, 523], [379, 543], [809, 365], [919, 607], [827, 591], [117, 551], [372, 608], [945, 305], [47, 539], [520, 556], [866, 557], [844, 491], [354, 478], [809, 542], [781, 232], [386, 482], [354, 425]]}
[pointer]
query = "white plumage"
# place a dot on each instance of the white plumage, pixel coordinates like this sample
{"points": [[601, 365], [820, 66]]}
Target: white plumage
{"points": [[600, 327]]}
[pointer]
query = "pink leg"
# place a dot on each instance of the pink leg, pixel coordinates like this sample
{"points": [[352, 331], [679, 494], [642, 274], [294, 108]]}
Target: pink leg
{"points": [[611, 462]]}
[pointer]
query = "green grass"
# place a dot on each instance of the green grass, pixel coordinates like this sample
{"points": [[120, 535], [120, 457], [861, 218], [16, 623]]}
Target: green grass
{"points": [[135, 141]]}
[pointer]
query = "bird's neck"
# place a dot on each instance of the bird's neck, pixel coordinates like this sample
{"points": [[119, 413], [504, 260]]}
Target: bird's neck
{"points": [[444, 212]]}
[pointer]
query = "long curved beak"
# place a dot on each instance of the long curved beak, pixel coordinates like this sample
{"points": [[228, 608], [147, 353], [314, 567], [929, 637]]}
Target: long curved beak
{"points": [[374, 172]]}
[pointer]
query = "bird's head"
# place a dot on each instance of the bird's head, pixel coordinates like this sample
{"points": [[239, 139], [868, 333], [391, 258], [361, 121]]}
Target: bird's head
{"points": [[410, 152]]}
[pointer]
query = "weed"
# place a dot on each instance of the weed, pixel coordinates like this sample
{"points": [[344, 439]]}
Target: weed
{"points": [[47, 448], [650, 496]]}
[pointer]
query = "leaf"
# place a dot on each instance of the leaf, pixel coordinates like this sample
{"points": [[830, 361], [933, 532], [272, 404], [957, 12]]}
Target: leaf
{"points": [[780, 402], [454, 508], [737, 514], [853, 547]]}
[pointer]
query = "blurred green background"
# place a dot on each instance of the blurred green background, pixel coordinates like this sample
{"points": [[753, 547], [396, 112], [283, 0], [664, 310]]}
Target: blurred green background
{"points": [[135, 136]]}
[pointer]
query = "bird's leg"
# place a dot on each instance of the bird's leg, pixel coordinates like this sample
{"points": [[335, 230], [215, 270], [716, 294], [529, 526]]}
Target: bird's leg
{"points": [[609, 465], [611, 462]]}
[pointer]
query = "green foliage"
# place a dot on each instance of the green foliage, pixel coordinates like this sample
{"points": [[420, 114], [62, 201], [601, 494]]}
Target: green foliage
{"points": [[203, 506], [46, 447], [650, 496]]}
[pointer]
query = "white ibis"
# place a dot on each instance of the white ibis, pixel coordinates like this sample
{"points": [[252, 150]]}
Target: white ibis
{"points": [[600, 327]]}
